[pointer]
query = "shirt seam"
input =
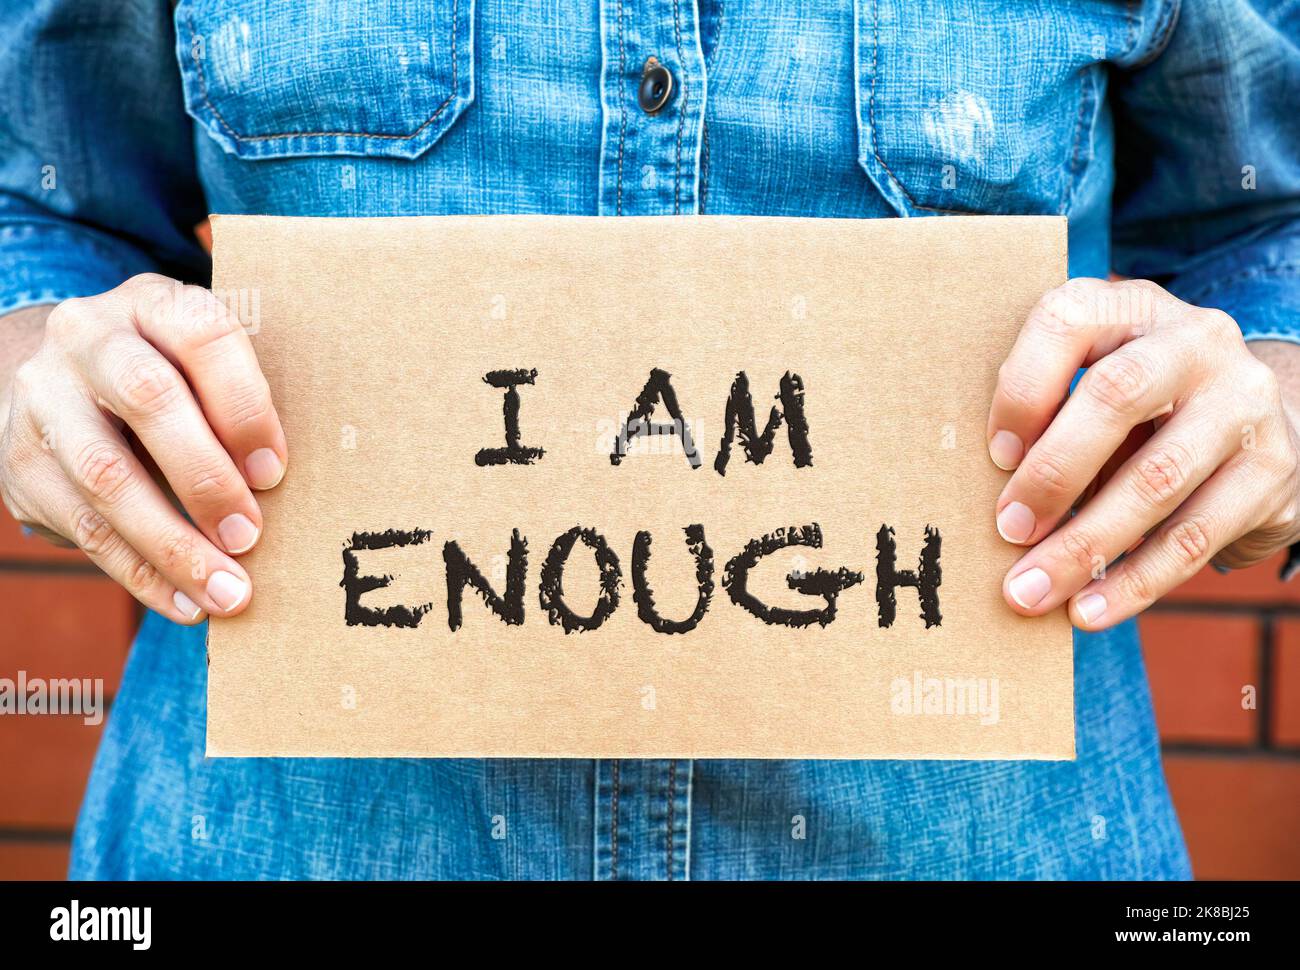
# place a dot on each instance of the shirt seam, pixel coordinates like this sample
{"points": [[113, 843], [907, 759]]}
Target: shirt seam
{"points": [[681, 111], [207, 100], [1163, 31]]}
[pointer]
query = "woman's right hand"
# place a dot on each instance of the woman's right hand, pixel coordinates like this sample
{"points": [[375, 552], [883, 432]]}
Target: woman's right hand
{"points": [[170, 366]]}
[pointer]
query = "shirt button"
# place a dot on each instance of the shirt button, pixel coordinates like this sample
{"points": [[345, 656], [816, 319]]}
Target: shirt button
{"points": [[656, 86]]}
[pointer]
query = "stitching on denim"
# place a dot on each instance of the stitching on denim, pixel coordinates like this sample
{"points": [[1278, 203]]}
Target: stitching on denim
{"points": [[871, 124], [672, 798], [1087, 97], [706, 161], [203, 87], [1161, 34], [704, 167], [615, 785], [681, 111], [871, 101], [622, 109], [871, 118], [1131, 33]]}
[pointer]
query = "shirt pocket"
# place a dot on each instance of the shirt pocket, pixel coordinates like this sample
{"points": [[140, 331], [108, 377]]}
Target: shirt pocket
{"points": [[980, 106], [284, 78]]}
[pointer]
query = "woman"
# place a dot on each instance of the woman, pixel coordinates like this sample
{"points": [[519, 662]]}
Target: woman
{"points": [[1168, 136]]}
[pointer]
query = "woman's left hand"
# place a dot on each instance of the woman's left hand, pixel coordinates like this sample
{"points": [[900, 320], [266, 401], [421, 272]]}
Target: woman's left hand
{"points": [[1175, 441]]}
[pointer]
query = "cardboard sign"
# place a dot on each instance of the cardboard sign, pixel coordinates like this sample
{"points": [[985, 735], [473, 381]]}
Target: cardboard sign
{"points": [[639, 487]]}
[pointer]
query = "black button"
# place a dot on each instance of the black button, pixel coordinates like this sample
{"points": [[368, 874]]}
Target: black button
{"points": [[656, 86]]}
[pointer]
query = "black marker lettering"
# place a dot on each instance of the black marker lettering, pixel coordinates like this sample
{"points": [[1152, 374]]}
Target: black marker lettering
{"points": [[354, 614], [644, 595], [926, 578], [740, 416], [513, 453], [638, 422], [552, 584], [461, 572], [828, 585]]}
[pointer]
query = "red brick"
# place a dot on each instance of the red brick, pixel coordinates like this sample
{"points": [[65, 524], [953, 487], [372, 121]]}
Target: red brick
{"points": [[1258, 584], [1198, 664], [46, 761], [61, 625], [1238, 815], [16, 544], [34, 860], [1286, 684]]}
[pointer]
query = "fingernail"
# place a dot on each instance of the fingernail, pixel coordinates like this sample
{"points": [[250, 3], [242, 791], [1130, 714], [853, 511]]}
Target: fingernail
{"points": [[1029, 588], [1016, 522], [188, 608], [1006, 449], [1091, 607], [226, 590], [264, 469], [238, 534]]}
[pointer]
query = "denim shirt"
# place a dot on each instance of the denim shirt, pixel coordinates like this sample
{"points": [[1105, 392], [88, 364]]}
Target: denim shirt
{"points": [[1168, 134]]}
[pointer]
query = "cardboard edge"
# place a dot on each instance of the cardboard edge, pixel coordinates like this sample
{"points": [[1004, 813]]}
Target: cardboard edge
{"points": [[222, 223]]}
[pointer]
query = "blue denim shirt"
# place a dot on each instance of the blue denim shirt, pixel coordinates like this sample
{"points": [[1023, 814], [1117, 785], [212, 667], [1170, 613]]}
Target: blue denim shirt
{"points": [[1170, 137]]}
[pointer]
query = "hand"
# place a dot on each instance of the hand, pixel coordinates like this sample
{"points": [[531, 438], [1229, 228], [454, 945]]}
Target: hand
{"points": [[1175, 441], [150, 377]]}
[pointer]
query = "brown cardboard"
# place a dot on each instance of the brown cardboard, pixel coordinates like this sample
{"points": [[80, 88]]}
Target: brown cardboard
{"points": [[376, 334]]}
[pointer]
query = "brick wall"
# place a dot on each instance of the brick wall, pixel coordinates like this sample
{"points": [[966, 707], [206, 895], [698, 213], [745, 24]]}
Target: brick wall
{"points": [[1234, 770], [1233, 767], [59, 617]]}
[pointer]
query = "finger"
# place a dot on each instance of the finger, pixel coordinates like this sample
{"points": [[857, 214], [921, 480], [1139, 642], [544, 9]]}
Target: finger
{"points": [[1218, 513], [99, 463], [206, 342], [1143, 493], [1123, 390], [135, 382], [106, 548], [1069, 327], [1132, 444], [48, 504]]}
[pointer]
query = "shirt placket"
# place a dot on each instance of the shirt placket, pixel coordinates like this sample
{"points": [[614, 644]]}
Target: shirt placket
{"points": [[650, 153], [643, 819], [653, 94]]}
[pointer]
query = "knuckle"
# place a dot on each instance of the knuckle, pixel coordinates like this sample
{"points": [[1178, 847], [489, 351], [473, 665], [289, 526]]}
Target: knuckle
{"points": [[202, 318], [1131, 305], [1059, 311], [68, 318], [25, 380], [1219, 324], [1261, 387], [1082, 550], [1190, 543], [149, 387], [1161, 476], [1046, 475], [212, 481], [103, 472], [91, 531], [1019, 389], [1137, 585], [1118, 382], [174, 552], [147, 280], [248, 409], [1287, 518], [140, 578]]}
